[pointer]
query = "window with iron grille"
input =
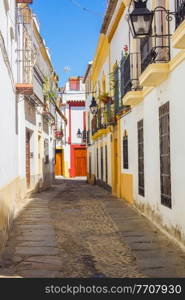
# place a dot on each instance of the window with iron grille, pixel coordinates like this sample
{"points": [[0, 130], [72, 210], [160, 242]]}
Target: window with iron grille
{"points": [[125, 152], [102, 171], [165, 165], [46, 151], [97, 163], [106, 165], [156, 49], [141, 183]]}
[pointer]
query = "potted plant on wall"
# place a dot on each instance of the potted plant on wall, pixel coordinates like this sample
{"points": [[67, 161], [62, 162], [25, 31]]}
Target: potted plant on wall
{"points": [[105, 98]]}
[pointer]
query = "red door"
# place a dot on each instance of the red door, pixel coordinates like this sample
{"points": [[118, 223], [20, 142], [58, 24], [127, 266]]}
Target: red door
{"points": [[80, 162]]}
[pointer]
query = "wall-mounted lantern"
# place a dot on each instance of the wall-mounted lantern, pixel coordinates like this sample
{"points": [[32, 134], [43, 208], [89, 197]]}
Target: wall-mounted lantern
{"points": [[79, 134], [93, 107], [140, 19]]}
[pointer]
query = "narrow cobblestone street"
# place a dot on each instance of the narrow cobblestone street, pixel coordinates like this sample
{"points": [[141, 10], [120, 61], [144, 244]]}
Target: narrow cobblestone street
{"points": [[79, 230]]}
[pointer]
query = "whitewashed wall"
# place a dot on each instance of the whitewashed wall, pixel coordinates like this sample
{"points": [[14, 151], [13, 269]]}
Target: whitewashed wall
{"points": [[8, 131]]}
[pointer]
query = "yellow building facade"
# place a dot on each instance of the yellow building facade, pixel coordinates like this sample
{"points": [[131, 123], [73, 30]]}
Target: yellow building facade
{"points": [[136, 146]]}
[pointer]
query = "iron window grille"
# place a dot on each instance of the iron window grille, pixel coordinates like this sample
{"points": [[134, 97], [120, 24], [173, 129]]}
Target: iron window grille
{"points": [[165, 162], [130, 71], [141, 181], [180, 12], [156, 48], [125, 152]]}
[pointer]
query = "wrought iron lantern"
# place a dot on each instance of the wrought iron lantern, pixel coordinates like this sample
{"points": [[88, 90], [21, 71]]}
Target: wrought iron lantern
{"points": [[79, 133], [140, 19], [93, 107]]}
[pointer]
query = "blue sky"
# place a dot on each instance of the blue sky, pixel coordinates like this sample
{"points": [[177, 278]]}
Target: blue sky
{"points": [[70, 33]]}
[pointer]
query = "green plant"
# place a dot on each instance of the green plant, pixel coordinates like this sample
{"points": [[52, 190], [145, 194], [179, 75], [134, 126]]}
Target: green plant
{"points": [[49, 93], [105, 98]]}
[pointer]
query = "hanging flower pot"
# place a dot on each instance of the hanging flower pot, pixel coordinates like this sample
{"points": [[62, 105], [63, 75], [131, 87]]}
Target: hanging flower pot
{"points": [[105, 98]]}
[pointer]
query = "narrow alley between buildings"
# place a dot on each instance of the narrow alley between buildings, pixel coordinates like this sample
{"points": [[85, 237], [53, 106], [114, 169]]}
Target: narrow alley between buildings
{"points": [[78, 230]]}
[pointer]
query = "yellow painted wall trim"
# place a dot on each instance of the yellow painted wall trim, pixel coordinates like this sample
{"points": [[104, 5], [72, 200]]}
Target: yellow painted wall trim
{"points": [[132, 98], [127, 187], [177, 60], [101, 132], [178, 38], [154, 74], [126, 2], [102, 52], [180, 57], [116, 21]]}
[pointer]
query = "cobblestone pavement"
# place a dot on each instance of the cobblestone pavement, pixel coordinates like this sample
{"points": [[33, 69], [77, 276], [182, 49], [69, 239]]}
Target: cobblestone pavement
{"points": [[78, 230]]}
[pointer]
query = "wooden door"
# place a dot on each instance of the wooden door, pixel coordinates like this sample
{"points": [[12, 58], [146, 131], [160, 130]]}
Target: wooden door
{"points": [[59, 163], [28, 158], [80, 159]]}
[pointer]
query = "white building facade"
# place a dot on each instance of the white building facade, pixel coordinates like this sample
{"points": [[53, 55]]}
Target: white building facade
{"points": [[145, 137], [9, 163], [73, 107], [28, 111]]}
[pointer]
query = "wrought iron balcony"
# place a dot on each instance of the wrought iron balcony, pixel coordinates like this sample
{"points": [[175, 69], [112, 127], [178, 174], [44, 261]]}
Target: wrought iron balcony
{"points": [[109, 114], [84, 136], [88, 138], [154, 54], [156, 48], [130, 71], [180, 11], [117, 100], [99, 121], [94, 125]]}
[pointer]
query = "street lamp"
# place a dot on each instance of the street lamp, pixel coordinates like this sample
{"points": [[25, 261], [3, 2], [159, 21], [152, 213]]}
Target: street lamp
{"points": [[140, 19], [79, 133], [93, 107]]}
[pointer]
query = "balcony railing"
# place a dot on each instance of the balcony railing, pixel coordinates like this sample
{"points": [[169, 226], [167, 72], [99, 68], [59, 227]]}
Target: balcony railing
{"points": [[180, 11], [109, 114], [130, 71], [99, 121], [94, 125], [116, 90], [156, 49], [88, 138]]}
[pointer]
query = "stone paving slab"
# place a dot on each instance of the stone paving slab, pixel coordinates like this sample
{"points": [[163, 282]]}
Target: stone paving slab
{"points": [[26, 251], [79, 230]]}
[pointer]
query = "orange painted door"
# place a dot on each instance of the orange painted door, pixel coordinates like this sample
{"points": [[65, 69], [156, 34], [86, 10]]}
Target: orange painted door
{"points": [[80, 160], [59, 163]]}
